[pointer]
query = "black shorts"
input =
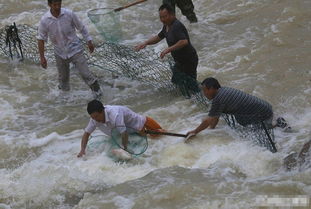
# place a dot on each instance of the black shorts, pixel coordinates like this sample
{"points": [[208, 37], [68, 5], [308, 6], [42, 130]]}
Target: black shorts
{"points": [[185, 80], [189, 67]]}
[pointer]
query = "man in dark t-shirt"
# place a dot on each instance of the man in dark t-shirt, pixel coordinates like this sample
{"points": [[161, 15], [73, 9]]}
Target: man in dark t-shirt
{"points": [[179, 45], [247, 109], [185, 56]]}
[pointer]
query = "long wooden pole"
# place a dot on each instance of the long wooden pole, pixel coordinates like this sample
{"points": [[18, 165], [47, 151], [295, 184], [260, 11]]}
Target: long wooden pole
{"points": [[165, 133], [129, 5]]}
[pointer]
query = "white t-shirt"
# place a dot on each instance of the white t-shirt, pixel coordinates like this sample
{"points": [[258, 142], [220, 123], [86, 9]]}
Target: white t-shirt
{"points": [[119, 117], [62, 32]]}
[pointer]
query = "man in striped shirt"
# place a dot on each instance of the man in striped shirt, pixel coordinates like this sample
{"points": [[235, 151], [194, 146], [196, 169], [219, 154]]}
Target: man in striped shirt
{"points": [[247, 109]]}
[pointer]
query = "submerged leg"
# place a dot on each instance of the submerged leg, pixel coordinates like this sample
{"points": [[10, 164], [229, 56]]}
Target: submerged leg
{"points": [[63, 73], [89, 78]]}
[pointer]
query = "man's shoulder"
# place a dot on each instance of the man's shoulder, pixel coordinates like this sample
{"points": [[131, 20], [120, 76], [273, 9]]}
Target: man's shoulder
{"points": [[229, 90], [177, 23], [65, 10], [223, 92], [92, 121], [114, 108], [46, 15], [233, 93]]}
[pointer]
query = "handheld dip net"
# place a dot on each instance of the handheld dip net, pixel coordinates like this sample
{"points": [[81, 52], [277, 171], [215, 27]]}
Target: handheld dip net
{"points": [[107, 23], [137, 143], [144, 66]]}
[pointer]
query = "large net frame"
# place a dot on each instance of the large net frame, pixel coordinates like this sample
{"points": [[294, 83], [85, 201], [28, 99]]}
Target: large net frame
{"points": [[144, 66]]}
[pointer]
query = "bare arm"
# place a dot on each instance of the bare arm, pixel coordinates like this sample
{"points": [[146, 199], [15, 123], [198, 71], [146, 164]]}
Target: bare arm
{"points": [[124, 136], [41, 53], [83, 30], [150, 41], [180, 44], [85, 139], [210, 122], [90, 46]]}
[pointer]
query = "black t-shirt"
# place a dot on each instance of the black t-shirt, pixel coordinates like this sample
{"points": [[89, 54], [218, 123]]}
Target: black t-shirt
{"points": [[177, 31]]}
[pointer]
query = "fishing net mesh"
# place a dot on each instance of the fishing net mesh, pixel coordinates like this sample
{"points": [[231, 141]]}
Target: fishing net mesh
{"points": [[259, 132], [144, 66], [137, 143]]}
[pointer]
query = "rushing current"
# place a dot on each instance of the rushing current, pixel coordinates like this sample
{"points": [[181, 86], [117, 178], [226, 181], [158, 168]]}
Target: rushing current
{"points": [[262, 47]]}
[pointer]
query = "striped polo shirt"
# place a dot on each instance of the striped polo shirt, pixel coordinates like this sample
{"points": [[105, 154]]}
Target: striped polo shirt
{"points": [[245, 107]]}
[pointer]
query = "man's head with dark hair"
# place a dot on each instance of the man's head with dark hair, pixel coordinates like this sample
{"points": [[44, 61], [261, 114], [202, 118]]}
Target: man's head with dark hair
{"points": [[167, 14], [55, 7], [210, 87], [51, 1], [168, 8], [96, 110], [211, 83], [95, 106]]}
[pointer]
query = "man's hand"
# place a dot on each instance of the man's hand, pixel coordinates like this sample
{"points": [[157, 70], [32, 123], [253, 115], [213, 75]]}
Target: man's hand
{"points": [[91, 46], [140, 46], [193, 132], [43, 62], [190, 134], [82, 152], [164, 52]]}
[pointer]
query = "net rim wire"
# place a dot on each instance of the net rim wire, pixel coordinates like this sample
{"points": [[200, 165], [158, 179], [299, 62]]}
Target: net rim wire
{"points": [[90, 12], [134, 132]]}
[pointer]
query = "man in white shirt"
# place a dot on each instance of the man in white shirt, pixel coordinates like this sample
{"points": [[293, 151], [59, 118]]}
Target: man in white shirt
{"points": [[109, 117], [60, 26]]}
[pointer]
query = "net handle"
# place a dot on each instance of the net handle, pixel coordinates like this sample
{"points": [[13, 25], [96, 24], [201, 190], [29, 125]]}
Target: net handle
{"points": [[165, 133], [128, 5]]}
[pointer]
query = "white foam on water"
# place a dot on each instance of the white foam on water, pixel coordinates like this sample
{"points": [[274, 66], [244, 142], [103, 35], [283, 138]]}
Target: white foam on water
{"points": [[123, 203]]}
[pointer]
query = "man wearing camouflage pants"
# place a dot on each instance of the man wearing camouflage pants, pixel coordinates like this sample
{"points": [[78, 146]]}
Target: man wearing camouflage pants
{"points": [[186, 7]]}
